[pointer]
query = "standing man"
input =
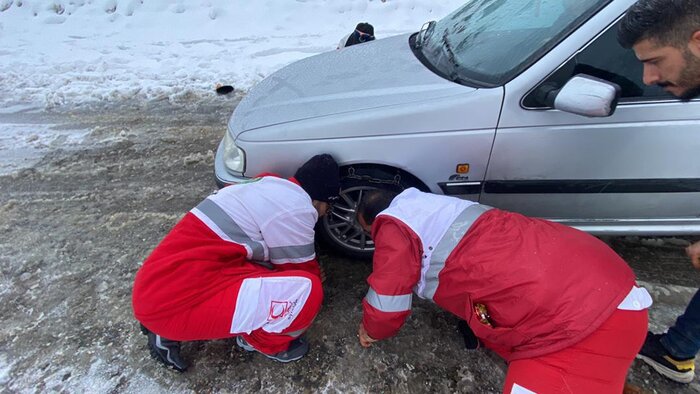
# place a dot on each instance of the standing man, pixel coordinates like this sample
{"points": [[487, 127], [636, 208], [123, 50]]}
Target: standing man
{"points": [[556, 303], [673, 354], [665, 36], [241, 263]]}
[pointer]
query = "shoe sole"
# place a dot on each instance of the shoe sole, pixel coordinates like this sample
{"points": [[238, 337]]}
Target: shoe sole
{"points": [[249, 348], [680, 377], [155, 355], [244, 346]]}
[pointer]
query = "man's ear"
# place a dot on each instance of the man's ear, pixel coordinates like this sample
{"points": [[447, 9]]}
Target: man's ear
{"points": [[694, 44]]}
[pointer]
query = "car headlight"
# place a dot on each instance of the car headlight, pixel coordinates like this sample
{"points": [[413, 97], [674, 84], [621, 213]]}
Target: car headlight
{"points": [[234, 157]]}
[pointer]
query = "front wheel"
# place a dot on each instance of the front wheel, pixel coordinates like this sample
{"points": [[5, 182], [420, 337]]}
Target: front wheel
{"points": [[339, 227]]}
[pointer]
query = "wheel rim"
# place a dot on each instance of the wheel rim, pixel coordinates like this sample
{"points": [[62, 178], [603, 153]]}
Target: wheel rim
{"points": [[341, 223]]}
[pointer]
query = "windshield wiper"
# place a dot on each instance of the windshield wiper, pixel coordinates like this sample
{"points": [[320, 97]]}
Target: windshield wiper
{"points": [[438, 54], [447, 48], [424, 30]]}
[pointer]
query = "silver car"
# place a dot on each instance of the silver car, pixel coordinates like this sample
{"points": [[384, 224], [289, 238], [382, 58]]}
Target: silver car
{"points": [[530, 106]]}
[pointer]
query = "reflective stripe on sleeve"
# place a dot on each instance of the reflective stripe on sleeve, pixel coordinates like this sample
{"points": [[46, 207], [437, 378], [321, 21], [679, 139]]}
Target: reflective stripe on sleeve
{"points": [[232, 230], [287, 254], [448, 242], [385, 303]]}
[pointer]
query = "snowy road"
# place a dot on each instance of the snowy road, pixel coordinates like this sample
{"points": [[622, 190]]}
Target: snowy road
{"points": [[88, 194]]}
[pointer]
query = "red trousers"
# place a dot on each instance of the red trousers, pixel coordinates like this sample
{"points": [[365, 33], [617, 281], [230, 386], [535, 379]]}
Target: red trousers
{"points": [[598, 364], [212, 318]]}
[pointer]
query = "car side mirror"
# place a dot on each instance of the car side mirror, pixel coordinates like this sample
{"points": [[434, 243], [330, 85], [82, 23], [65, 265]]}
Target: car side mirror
{"points": [[585, 95]]}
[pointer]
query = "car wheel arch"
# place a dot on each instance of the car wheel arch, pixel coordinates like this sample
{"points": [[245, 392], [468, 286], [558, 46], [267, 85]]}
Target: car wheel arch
{"points": [[339, 228], [382, 173]]}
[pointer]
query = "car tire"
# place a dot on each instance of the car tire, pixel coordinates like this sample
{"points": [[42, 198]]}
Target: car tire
{"points": [[339, 228]]}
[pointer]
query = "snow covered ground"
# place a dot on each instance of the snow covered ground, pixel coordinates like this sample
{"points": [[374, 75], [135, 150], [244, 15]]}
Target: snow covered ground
{"points": [[59, 54]]}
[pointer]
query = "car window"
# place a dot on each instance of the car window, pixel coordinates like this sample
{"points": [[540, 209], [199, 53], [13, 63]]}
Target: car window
{"points": [[489, 42], [604, 58]]}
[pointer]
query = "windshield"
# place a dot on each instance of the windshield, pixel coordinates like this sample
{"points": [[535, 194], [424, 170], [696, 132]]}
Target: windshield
{"points": [[488, 42]]}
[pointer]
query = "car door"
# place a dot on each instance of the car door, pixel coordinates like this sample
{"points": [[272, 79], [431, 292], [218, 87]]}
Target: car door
{"points": [[637, 171]]}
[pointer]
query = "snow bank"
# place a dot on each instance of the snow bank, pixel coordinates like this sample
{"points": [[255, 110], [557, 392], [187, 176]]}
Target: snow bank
{"points": [[65, 53]]}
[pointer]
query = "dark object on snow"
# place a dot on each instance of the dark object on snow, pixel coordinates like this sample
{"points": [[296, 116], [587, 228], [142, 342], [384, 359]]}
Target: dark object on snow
{"points": [[471, 342], [364, 32], [165, 350], [224, 89]]}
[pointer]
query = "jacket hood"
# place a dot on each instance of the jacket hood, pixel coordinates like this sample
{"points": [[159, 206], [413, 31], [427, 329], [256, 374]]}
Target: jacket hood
{"points": [[378, 73]]}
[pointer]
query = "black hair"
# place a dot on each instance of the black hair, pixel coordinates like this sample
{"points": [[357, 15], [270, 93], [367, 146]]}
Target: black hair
{"points": [[373, 202], [365, 28], [665, 22], [320, 178]]}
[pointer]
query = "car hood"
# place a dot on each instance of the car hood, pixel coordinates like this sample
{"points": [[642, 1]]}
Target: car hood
{"points": [[370, 75]]}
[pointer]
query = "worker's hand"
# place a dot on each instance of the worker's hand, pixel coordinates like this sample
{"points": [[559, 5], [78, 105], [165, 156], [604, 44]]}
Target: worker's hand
{"points": [[365, 339], [693, 252]]}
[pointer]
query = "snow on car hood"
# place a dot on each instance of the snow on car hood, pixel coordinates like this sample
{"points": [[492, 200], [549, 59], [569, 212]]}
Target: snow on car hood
{"points": [[375, 74]]}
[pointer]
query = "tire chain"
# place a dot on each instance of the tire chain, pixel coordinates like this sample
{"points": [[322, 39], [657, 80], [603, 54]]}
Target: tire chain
{"points": [[395, 182]]}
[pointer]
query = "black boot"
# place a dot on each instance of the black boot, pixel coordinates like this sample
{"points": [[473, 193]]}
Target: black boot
{"points": [[297, 349], [471, 341], [165, 350]]}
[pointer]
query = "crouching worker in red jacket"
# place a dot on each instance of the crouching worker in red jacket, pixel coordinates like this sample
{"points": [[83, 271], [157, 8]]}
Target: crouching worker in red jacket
{"points": [[241, 263], [559, 305]]}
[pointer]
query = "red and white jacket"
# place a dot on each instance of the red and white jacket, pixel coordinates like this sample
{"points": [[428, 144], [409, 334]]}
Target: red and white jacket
{"points": [[545, 286], [268, 220]]}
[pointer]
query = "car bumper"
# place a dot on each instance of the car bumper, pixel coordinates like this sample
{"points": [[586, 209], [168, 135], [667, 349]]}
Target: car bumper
{"points": [[222, 176]]}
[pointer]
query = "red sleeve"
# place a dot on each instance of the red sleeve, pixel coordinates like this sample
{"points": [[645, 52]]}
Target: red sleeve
{"points": [[396, 270]]}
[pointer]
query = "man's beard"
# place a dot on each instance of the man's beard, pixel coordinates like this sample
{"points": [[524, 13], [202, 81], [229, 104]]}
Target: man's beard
{"points": [[690, 76], [690, 94]]}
